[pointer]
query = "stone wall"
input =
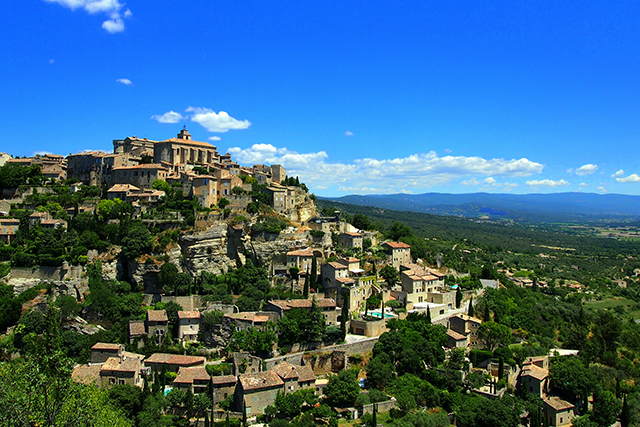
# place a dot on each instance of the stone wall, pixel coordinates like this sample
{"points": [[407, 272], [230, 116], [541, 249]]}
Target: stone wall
{"points": [[382, 407], [360, 347]]}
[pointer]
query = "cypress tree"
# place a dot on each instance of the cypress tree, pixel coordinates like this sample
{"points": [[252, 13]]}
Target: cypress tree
{"points": [[314, 274], [344, 317], [500, 368], [458, 297], [625, 415], [374, 418], [470, 312], [428, 315], [487, 313]]}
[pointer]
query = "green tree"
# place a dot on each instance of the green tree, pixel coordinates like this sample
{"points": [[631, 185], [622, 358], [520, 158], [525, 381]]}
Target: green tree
{"points": [[138, 240], [389, 274], [605, 406], [494, 335], [168, 274], [458, 297], [343, 389]]}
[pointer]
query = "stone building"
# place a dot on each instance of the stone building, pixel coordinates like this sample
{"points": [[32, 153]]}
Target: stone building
{"points": [[188, 325], [141, 175], [195, 378], [157, 325], [467, 326], [398, 253], [327, 305], [351, 240], [183, 150], [8, 229], [256, 391]]}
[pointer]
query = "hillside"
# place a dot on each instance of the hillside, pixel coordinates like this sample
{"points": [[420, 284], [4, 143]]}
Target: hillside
{"points": [[526, 208]]}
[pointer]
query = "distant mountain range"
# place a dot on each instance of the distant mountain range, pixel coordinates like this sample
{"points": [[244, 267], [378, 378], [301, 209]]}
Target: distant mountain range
{"points": [[557, 207]]}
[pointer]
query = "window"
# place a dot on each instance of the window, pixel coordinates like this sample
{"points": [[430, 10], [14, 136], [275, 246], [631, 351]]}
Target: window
{"points": [[121, 382], [112, 380]]}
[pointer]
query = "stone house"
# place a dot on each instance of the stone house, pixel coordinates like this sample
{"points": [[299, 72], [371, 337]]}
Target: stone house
{"points": [[256, 391], [205, 190], [122, 370], [558, 412], [302, 259], [157, 324], [330, 274], [467, 326], [534, 376], [195, 379], [188, 325], [327, 305], [351, 240], [141, 175], [102, 351], [398, 253], [295, 377], [455, 339], [248, 320], [223, 386], [8, 229], [420, 284]]}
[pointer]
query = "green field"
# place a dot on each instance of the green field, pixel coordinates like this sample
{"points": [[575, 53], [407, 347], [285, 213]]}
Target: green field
{"points": [[628, 307]]}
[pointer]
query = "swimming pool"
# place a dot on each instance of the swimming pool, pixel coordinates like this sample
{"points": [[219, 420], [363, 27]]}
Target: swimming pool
{"points": [[377, 314]]}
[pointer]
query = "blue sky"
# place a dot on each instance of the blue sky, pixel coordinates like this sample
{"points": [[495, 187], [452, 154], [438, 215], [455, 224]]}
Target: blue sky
{"points": [[352, 96]]}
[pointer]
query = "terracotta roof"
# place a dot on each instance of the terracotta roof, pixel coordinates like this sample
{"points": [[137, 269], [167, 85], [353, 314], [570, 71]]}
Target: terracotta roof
{"points": [[558, 404], [467, 318], [337, 265], [456, 336], [189, 375], [260, 319], [353, 234], [286, 370], [9, 221], [188, 142], [345, 280], [126, 364], [535, 372], [175, 359], [302, 252], [223, 379], [101, 346], [136, 328], [350, 260], [157, 316], [87, 374], [122, 187], [260, 380], [189, 314], [396, 245]]}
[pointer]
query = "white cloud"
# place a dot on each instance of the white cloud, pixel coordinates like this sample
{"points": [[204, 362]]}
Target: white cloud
{"points": [[602, 189], [631, 178], [547, 183], [470, 182], [216, 122], [408, 174], [214, 138], [584, 184], [51, 61], [489, 181], [587, 169], [348, 133], [168, 117], [112, 8], [125, 82], [617, 174]]}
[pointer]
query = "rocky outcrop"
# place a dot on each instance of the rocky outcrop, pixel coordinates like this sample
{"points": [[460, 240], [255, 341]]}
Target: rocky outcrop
{"points": [[267, 249], [208, 250]]}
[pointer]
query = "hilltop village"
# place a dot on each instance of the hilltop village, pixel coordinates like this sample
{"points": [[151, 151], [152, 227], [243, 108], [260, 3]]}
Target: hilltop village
{"points": [[172, 273]]}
